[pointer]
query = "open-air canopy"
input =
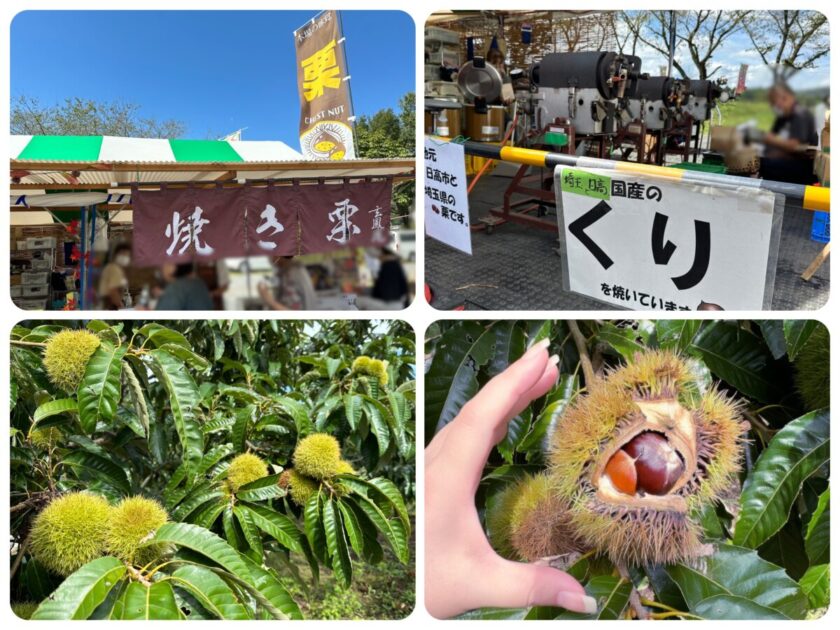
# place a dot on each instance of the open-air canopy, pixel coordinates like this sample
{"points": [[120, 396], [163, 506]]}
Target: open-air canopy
{"points": [[110, 165]]}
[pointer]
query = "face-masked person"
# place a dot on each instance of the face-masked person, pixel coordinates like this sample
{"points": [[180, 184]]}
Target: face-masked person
{"points": [[496, 58], [113, 283], [785, 158]]}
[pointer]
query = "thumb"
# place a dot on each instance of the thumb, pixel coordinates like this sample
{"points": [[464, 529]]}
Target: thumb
{"points": [[519, 584]]}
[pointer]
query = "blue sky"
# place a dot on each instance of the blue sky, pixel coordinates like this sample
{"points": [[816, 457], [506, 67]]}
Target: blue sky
{"points": [[216, 71]]}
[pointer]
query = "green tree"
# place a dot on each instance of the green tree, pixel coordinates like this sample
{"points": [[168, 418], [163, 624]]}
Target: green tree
{"points": [[87, 117], [167, 412], [390, 134]]}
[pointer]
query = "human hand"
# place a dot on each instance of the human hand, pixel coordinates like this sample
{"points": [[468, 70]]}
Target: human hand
{"points": [[463, 571]]}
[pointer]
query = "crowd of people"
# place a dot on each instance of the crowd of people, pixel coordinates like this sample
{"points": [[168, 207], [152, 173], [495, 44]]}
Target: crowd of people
{"points": [[194, 286]]}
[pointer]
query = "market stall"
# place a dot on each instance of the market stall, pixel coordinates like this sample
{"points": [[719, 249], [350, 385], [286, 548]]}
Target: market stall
{"points": [[72, 197]]}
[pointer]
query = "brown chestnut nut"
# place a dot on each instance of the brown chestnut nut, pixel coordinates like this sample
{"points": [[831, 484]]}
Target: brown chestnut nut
{"points": [[658, 465], [621, 470]]}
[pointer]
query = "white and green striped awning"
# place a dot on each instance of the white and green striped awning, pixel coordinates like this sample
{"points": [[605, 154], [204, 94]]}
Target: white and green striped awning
{"points": [[116, 149], [115, 162]]}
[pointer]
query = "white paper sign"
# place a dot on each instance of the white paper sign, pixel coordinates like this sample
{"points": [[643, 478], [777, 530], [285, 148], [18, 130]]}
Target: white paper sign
{"points": [[652, 243], [447, 208]]}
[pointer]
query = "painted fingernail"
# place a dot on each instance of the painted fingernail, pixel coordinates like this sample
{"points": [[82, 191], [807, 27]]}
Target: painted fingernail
{"points": [[554, 359], [540, 345], [577, 603]]}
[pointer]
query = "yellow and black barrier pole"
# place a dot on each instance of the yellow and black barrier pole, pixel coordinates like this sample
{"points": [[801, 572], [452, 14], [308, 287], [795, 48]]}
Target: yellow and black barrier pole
{"points": [[809, 197]]}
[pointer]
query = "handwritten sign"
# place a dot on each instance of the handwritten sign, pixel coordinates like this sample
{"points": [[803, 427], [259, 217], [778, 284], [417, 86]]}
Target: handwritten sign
{"points": [[446, 205]]}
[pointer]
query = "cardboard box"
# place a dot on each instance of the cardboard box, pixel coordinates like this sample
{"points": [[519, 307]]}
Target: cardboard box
{"points": [[31, 305]]}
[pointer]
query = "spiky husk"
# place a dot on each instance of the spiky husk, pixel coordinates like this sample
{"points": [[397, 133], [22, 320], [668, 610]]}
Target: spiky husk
{"points": [[813, 378], [372, 367], [301, 488], [244, 469], [633, 534], [45, 439], [70, 531], [66, 357], [497, 520], [132, 521], [24, 610], [317, 456], [345, 468]]}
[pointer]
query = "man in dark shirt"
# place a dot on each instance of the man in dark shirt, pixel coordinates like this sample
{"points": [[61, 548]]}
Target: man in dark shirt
{"points": [[785, 158], [187, 292]]}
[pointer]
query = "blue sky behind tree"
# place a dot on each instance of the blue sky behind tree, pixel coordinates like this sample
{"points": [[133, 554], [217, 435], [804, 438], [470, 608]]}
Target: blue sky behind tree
{"points": [[215, 71]]}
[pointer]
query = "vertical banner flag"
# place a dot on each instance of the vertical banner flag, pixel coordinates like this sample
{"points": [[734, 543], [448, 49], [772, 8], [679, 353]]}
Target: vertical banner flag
{"points": [[326, 110], [742, 79]]}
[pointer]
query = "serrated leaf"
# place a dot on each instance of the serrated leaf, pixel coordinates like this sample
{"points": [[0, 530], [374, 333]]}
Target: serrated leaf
{"points": [[353, 409], [81, 592], [676, 334], [337, 544], [261, 584], [99, 468], [392, 529], [279, 526], [262, 489], [99, 391], [211, 591], [298, 412], [138, 398], [798, 450], [314, 527], [183, 399]]}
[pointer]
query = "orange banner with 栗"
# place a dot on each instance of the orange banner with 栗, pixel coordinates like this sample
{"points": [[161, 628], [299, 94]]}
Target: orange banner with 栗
{"points": [[326, 109]]}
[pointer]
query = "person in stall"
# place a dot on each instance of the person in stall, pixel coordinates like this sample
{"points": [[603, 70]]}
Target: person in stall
{"points": [[291, 287], [496, 58], [113, 282], [787, 157], [390, 289], [185, 291]]}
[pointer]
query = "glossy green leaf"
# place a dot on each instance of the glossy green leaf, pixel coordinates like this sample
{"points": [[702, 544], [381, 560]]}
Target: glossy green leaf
{"points": [[262, 489], [739, 572], [816, 586], [379, 424], [54, 408], [337, 544], [797, 333], [298, 412], [314, 527], [738, 357], [452, 377], [612, 593], [99, 391], [138, 398], [734, 607], [794, 454], [623, 340], [676, 334], [262, 584], [353, 409], [81, 592], [183, 399], [99, 468], [212, 592], [392, 529], [355, 535], [818, 534], [279, 526], [153, 602]]}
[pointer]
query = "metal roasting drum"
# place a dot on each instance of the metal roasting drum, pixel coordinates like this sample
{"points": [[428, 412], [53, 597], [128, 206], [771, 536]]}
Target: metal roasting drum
{"points": [[588, 88], [479, 80]]}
